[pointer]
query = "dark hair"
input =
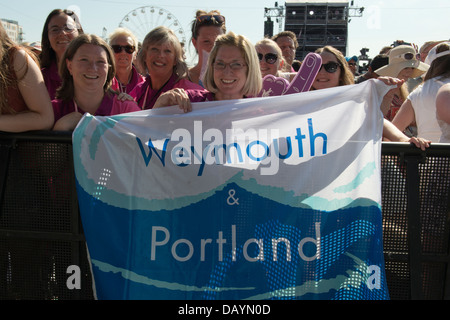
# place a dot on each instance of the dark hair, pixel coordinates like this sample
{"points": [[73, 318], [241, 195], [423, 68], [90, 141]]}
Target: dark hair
{"points": [[48, 55], [289, 34], [440, 67], [66, 91], [346, 76], [379, 61]]}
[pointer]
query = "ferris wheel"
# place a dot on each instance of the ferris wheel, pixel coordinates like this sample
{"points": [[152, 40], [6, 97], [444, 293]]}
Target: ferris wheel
{"points": [[142, 20]]}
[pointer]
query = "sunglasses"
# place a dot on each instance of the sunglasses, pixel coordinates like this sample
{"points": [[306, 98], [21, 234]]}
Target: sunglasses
{"points": [[208, 18], [407, 56], [118, 48], [270, 58], [330, 67]]}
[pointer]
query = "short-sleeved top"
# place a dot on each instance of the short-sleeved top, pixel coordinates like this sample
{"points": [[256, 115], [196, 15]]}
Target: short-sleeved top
{"points": [[136, 78], [110, 106], [146, 97], [52, 79], [423, 100]]}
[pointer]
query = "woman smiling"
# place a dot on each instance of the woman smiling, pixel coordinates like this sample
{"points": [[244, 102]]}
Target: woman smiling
{"points": [[125, 45], [60, 27], [233, 72], [161, 57], [334, 71], [87, 71]]}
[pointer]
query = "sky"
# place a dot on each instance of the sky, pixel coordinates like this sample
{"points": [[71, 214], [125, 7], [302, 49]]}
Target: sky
{"points": [[382, 22]]}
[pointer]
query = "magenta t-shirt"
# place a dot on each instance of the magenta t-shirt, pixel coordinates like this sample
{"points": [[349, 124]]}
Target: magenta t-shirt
{"points": [[110, 106], [146, 97], [136, 78], [52, 79]]}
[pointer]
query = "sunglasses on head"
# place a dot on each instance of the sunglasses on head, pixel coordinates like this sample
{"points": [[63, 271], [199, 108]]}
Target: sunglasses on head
{"points": [[118, 48], [211, 17], [270, 58], [330, 67]]}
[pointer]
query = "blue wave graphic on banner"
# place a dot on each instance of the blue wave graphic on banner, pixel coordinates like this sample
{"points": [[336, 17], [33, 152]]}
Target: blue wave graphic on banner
{"points": [[292, 211], [243, 270]]}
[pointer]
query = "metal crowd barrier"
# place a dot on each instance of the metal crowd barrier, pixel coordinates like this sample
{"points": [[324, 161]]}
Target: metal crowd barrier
{"points": [[41, 235]]}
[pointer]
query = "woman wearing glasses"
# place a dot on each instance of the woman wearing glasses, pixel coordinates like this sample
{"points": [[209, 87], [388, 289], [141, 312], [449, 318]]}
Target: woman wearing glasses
{"points": [[124, 45], [232, 73], [161, 58], [335, 72], [87, 70], [270, 58], [60, 27]]}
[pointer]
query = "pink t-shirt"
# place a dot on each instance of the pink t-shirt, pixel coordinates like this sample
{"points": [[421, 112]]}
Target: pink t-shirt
{"points": [[146, 97], [110, 106], [136, 78], [52, 79]]}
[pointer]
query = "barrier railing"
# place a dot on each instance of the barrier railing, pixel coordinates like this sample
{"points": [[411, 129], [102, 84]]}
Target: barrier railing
{"points": [[416, 212], [42, 246]]}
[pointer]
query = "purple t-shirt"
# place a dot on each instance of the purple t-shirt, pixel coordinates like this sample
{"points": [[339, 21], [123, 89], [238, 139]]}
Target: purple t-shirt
{"points": [[110, 106], [199, 95]]}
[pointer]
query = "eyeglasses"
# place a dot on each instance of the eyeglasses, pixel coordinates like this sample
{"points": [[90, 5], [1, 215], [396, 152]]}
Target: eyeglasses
{"points": [[118, 48], [68, 28], [330, 67], [233, 65], [270, 58]]}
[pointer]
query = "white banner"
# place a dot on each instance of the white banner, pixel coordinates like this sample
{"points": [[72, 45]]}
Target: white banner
{"points": [[215, 203]]}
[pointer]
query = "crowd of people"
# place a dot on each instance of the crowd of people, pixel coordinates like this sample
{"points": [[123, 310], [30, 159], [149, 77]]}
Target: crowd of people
{"points": [[75, 73]]}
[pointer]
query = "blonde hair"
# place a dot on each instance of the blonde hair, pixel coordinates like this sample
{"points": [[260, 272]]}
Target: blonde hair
{"points": [[161, 35], [271, 43], [123, 32], [253, 84]]}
